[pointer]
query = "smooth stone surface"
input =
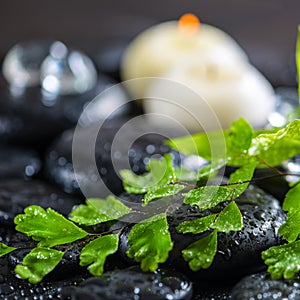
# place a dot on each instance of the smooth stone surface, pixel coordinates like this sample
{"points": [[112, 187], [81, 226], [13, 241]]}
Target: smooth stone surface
{"points": [[212, 291], [29, 118], [238, 252], [18, 163], [60, 168], [276, 186], [11, 237], [16, 194], [132, 283], [109, 160], [262, 287]]}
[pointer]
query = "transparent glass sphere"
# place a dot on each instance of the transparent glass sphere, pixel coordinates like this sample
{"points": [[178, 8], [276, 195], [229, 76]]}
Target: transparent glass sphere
{"points": [[67, 72], [21, 65]]}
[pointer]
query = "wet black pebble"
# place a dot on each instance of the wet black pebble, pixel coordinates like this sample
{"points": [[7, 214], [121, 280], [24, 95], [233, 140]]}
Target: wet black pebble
{"points": [[32, 119], [277, 186], [109, 161], [14, 288], [212, 291], [11, 237], [262, 287], [133, 284], [16, 194], [66, 274], [18, 163], [67, 268], [238, 252], [58, 284]]}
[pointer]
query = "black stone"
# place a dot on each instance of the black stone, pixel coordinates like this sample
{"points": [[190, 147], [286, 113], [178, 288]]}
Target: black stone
{"points": [[16, 194], [14, 288], [238, 252], [109, 162], [208, 291], [11, 237], [132, 283], [67, 273], [67, 268], [278, 186], [262, 287], [18, 163], [31, 119]]}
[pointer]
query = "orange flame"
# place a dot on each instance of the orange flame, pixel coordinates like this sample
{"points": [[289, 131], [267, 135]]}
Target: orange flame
{"points": [[188, 24]]}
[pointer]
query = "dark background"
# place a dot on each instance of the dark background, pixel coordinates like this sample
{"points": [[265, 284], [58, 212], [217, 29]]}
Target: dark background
{"points": [[266, 29]]}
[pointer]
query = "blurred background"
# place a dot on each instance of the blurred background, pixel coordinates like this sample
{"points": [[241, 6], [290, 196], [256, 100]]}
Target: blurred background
{"points": [[267, 30]]}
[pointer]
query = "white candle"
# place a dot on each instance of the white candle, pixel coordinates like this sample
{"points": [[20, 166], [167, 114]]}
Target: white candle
{"points": [[160, 47], [221, 91]]}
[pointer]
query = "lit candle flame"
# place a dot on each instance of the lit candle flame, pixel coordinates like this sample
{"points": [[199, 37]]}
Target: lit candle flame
{"points": [[188, 24]]}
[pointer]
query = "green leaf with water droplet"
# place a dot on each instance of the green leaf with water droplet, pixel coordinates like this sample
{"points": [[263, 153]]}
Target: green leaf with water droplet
{"points": [[164, 191], [48, 227], [242, 177], [223, 145], [38, 263], [229, 219], [207, 145], [271, 146], [99, 210], [150, 242], [274, 148], [240, 137], [292, 199], [298, 61], [290, 230], [201, 253], [207, 197], [196, 226], [283, 261], [96, 252], [160, 172], [4, 249]]}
